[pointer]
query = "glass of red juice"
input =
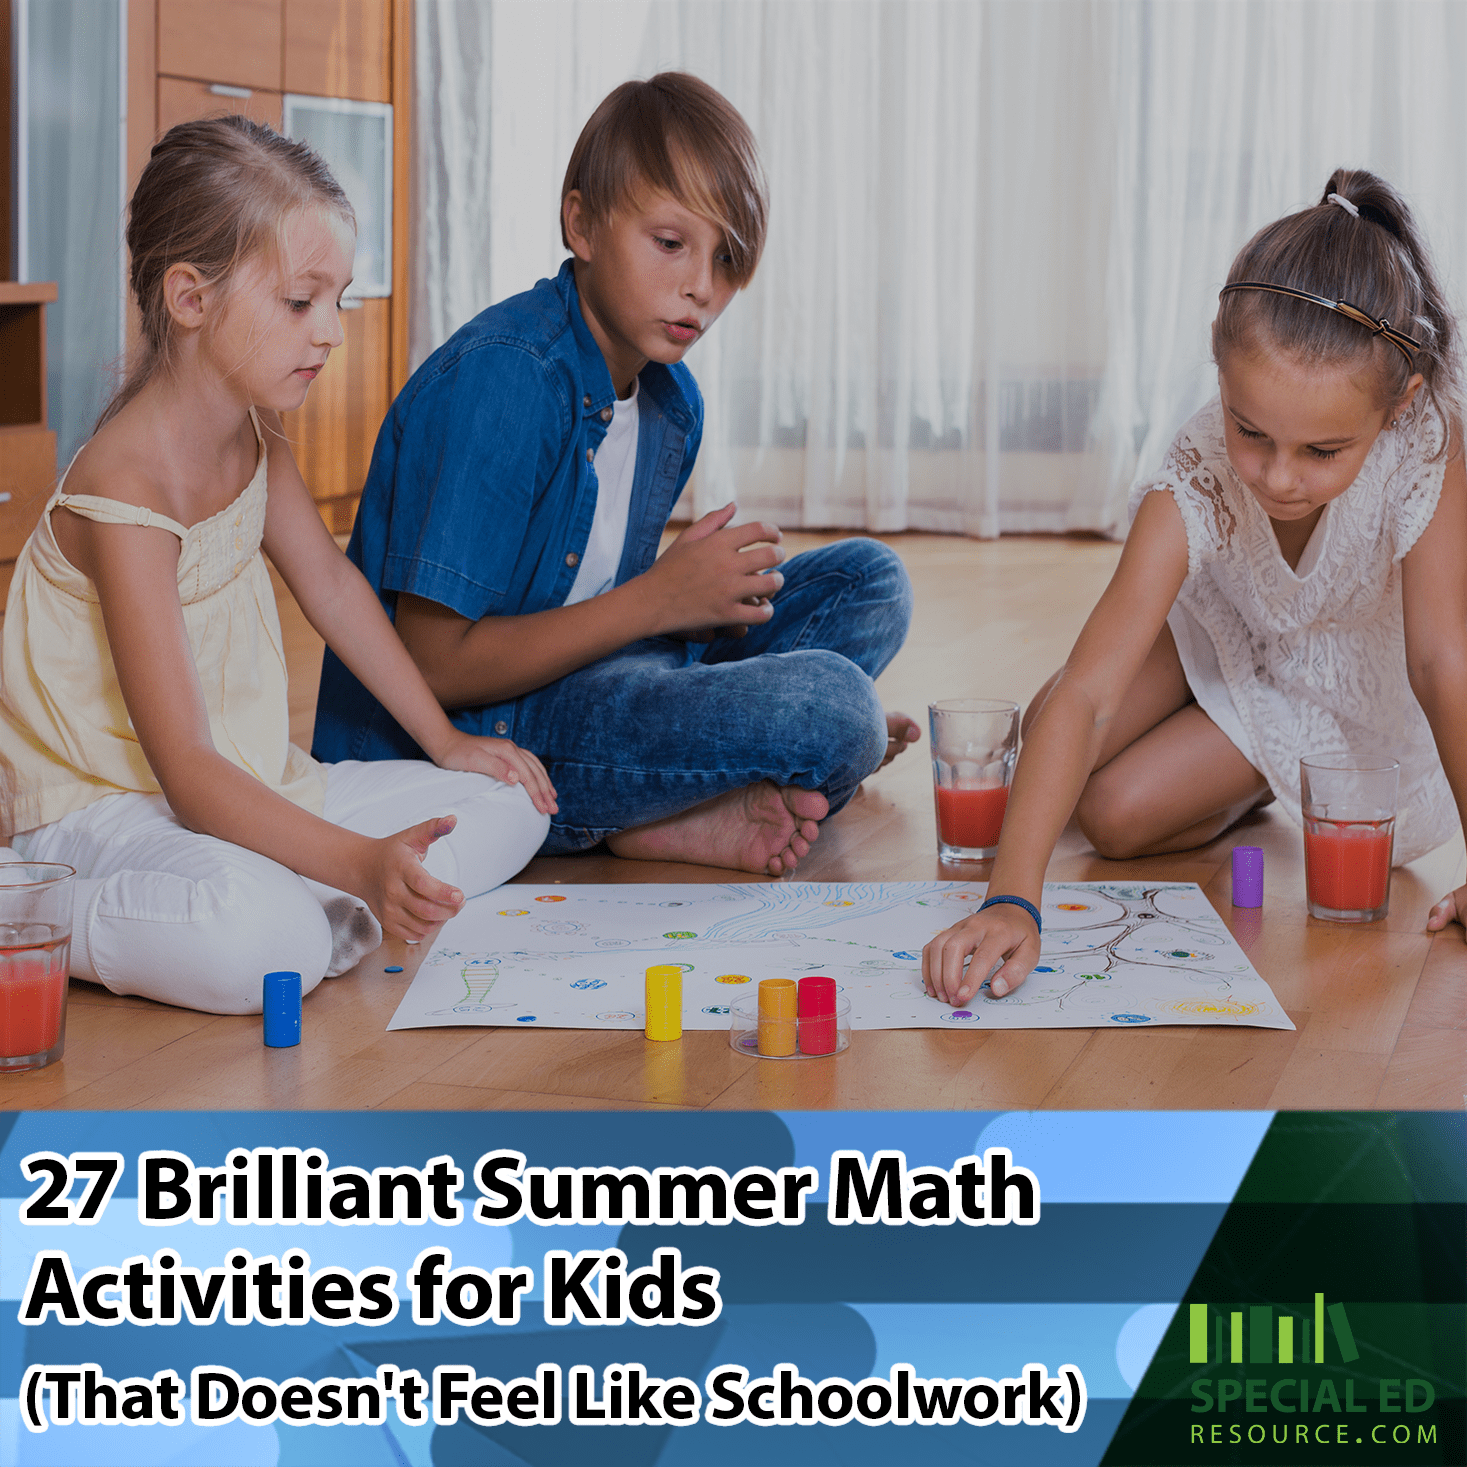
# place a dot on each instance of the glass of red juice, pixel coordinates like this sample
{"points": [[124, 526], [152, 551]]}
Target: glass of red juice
{"points": [[1349, 808], [975, 742], [35, 959]]}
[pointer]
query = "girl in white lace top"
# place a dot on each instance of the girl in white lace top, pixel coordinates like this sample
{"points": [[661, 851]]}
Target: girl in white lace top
{"points": [[1297, 587]]}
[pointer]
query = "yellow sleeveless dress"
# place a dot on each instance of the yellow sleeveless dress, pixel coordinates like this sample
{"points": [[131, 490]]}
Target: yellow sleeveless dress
{"points": [[63, 725]]}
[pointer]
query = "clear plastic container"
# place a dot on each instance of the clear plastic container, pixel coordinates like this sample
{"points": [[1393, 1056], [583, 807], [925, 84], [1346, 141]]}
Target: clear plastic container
{"points": [[821, 1037]]}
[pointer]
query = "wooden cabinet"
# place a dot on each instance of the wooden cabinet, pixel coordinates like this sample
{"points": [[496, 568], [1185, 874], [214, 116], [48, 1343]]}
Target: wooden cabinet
{"points": [[334, 433], [233, 41], [182, 101], [339, 48], [200, 58], [27, 446]]}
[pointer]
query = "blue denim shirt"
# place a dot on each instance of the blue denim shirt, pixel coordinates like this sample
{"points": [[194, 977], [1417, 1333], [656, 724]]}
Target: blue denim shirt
{"points": [[481, 492]]}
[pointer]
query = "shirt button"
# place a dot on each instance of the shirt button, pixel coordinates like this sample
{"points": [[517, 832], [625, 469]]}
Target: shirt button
{"points": [[573, 560], [606, 415], [586, 401], [590, 455], [501, 728]]}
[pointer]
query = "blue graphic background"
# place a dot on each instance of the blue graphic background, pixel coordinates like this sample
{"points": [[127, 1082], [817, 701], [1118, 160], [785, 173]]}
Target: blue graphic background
{"points": [[1130, 1203]]}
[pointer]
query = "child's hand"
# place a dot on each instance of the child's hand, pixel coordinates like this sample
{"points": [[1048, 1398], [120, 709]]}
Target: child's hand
{"points": [[506, 762], [405, 899], [1451, 908], [706, 581], [1001, 934], [738, 629]]}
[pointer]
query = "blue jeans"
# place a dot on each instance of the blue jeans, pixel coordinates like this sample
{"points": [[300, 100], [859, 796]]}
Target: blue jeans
{"points": [[663, 724]]}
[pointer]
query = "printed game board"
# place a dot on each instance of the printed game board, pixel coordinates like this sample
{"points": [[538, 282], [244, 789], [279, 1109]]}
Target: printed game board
{"points": [[1115, 954]]}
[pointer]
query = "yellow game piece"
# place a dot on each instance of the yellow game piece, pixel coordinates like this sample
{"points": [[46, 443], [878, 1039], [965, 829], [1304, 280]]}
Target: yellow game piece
{"points": [[665, 1002], [778, 1016]]}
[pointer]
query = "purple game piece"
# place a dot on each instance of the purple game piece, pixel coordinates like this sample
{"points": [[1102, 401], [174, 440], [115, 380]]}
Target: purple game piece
{"points": [[1247, 876]]}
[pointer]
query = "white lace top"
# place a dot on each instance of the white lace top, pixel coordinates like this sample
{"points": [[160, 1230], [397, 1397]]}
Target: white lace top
{"points": [[1313, 661]]}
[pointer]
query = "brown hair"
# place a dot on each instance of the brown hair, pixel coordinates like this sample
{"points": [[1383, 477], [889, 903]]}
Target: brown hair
{"points": [[214, 194], [1377, 261], [676, 134]]}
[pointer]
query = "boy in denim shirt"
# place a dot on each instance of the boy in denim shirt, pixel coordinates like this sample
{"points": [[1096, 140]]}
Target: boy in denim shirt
{"points": [[705, 706]]}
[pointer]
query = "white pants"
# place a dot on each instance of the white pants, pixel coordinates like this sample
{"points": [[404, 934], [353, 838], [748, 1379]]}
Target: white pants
{"points": [[191, 920]]}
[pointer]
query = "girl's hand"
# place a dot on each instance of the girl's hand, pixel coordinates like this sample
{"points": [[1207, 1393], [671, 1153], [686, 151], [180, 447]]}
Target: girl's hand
{"points": [[1003, 934], [405, 899], [1451, 908], [505, 762]]}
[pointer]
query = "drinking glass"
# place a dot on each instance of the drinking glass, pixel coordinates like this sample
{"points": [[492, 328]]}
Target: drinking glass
{"points": [[1349, 808], [975, 742], [35, 958]]}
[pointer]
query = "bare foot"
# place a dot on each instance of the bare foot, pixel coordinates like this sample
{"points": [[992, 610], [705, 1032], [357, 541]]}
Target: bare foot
{"points": [[900, 731], [762, 827]]}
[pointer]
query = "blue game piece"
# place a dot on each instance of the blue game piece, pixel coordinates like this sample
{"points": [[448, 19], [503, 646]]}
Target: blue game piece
{"points": [[282, 1006]]}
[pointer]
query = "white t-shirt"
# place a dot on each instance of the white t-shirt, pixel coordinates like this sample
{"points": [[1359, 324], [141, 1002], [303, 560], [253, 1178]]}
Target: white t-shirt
{"points": [[616, 466]]}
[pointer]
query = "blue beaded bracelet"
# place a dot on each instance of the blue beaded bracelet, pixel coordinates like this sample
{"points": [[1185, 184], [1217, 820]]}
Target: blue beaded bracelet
{"points": [[1014, 901]]}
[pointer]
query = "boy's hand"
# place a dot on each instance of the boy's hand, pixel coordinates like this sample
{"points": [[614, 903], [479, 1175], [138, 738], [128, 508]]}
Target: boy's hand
{"points": [[711, 634], [707, 581], [504, 761], [404, 898], [1451, 908], [1003, 934]]}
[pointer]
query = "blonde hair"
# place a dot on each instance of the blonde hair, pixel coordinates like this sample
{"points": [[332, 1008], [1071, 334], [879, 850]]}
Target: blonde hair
{"points": [[214, 194], [1376, 259], [678, 135]]}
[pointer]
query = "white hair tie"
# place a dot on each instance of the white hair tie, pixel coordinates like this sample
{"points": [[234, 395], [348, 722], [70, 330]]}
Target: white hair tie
{"points": [[1344, 203]]}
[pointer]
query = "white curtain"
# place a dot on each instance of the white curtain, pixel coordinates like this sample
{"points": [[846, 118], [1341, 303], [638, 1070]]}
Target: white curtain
{"points": [[1231, 115], [997, 228]]}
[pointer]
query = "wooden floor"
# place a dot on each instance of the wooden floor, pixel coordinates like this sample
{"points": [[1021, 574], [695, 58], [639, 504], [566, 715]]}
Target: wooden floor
{"points": [[1381, 1011]]}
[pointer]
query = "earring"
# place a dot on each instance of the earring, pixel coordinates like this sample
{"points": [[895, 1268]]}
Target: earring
{"points": [[1394, 421]]}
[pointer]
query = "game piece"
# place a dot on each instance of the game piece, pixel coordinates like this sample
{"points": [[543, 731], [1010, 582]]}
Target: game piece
{"points": [[664, 1002], [778, 1016], [282, 1009], [817, 1015], [1247, 876]]}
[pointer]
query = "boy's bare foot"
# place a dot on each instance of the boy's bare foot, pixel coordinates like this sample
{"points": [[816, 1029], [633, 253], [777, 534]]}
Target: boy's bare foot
{"points": [[900, 731], [763, 827]]}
